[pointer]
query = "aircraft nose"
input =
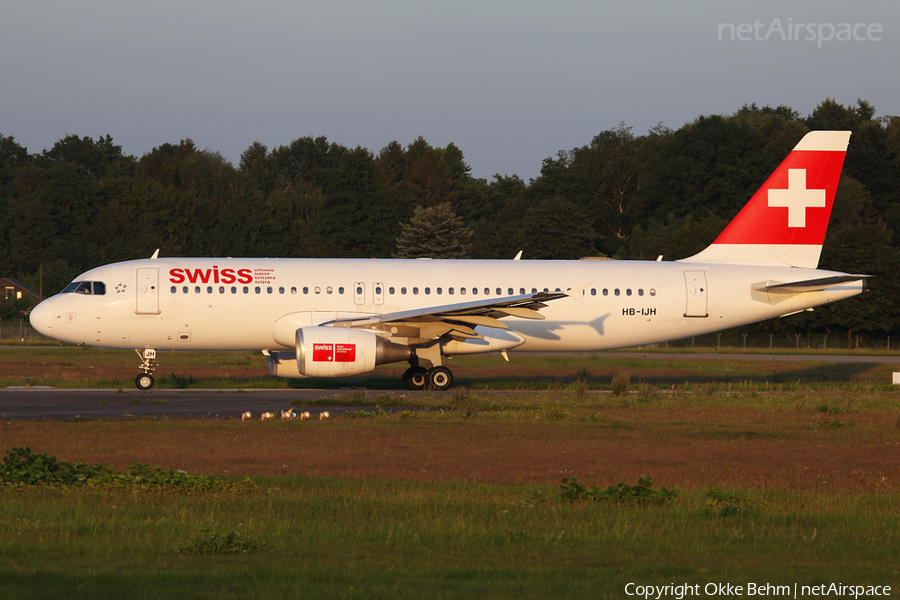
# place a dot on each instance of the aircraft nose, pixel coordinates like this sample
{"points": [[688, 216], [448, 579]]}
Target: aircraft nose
{"points": [[42, 318]]}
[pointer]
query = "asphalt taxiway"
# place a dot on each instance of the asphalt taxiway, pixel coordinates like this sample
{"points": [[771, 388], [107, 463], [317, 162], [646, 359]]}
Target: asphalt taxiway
{"points": [[54, 403]]}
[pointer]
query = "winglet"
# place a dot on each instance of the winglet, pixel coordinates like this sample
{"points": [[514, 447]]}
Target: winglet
{"points": [[155, 255]]}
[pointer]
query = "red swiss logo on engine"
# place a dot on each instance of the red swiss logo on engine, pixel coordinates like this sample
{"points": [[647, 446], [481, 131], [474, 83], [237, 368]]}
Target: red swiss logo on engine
{"points": [[334, 353], [323, 352]]}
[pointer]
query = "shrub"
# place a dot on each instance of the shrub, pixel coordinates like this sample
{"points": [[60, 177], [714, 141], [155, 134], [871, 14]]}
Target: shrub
{"points": [[207, 541], [722, 504], [24, 468], [641, 494], [620, 384], [557, 413]]}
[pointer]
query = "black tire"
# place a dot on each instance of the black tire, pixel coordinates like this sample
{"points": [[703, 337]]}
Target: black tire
{"points": [[414, 378], [439, 379], [144, 381]]}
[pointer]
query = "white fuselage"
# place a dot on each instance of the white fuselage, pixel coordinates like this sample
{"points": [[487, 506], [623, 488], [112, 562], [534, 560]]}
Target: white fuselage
{"points": [[258, 304]]}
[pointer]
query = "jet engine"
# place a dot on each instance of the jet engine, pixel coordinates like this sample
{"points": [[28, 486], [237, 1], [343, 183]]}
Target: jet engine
{"points": [[335, 352]]}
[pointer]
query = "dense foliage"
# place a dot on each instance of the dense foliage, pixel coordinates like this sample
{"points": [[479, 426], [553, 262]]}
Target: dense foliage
{"points": [[21, 467], [84, 203]]}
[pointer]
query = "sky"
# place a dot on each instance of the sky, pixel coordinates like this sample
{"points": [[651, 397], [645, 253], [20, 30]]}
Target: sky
{"points": [[509, 82]]}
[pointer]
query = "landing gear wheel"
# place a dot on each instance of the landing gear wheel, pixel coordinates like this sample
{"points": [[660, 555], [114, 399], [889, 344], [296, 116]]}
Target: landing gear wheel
{"points": [[414, 378], [144, 381], [439, 379]]}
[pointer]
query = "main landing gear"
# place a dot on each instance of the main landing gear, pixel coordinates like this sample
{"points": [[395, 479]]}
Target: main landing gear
{"points": [[435, 379], [145, 380]]}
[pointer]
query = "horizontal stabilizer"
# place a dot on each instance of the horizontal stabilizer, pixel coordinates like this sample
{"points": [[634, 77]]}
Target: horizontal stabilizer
{"points": [[810, 285]]}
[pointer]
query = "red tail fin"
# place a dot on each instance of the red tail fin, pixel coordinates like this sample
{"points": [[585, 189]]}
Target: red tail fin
{"points": [[784, 223]]}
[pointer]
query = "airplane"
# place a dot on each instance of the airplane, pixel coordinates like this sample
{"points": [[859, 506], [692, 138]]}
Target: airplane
{"points": [[343, 317]]}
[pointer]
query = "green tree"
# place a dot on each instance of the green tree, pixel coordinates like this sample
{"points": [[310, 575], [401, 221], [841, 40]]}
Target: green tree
{"points": [[606, 179], [555, 229], [434, 232], [711, 166]]}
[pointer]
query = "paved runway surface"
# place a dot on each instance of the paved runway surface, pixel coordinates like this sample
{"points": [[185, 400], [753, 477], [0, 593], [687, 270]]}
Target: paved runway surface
{"points": [[54, 403]]}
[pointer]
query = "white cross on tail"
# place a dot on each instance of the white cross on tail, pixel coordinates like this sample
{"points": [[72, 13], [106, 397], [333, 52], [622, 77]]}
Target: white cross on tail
{"points": [[796, 198]]}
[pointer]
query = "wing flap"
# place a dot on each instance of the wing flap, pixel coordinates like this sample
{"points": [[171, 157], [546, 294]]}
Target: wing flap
{"points": [[456, 321]]}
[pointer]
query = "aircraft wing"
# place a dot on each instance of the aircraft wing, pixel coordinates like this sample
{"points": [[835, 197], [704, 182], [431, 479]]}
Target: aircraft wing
{"points": [[458, 321]]}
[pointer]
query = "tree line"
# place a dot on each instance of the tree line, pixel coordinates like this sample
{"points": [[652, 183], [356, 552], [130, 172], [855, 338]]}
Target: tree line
{"points": [[84, 203]]}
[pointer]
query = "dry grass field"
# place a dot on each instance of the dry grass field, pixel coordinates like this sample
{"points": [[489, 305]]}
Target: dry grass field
{"points": [[835, 441]]}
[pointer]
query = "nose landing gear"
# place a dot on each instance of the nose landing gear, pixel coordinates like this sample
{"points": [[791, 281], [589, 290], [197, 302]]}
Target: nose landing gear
{"points": [[145, 380]]}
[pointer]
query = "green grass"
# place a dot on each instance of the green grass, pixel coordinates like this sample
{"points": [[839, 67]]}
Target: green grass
{"points": [[79, 366], [335, 538]]}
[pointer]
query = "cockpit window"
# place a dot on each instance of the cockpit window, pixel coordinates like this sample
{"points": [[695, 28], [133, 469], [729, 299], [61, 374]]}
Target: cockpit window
{"points": [[97, 288]]}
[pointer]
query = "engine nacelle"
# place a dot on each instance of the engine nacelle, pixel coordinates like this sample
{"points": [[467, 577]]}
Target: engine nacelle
{"points": [[335, 352]]}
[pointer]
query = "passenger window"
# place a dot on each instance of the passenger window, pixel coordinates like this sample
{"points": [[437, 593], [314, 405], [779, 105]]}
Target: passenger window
{"points": [[640, 292], [403, 291], [329, 290], [652, 292], [341, 290], [593, 291], [269, 290], [534, 290], [510, 290], [377, 290], [415, 291], [281, 290], [450, 291], [185, 289], [174, 289], [616, 292], [234, 290], [318, 290], [391, 291], [427, 291], [221, 289], [605, 292], [293, 290], [209, 290], [247, 289], [628, 292], [521, 291]]}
